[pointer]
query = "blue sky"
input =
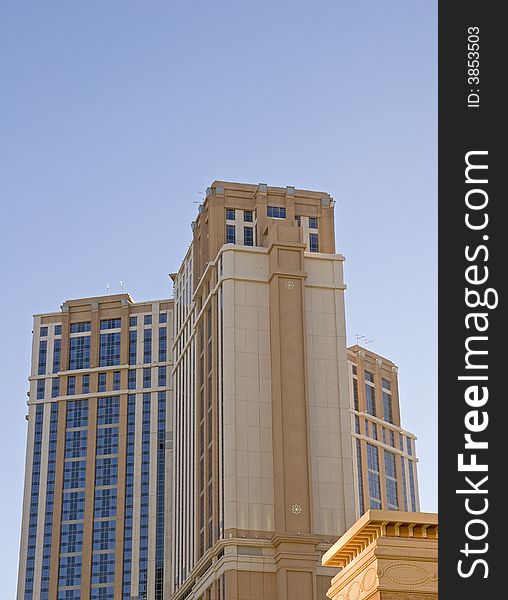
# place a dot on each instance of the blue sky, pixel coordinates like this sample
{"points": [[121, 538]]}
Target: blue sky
{"points": [[114, 116]]}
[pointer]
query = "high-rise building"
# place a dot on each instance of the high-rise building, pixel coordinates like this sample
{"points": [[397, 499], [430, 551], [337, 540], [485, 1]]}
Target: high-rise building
{"points": [[384, 453], [263, 455], [96, 514]]}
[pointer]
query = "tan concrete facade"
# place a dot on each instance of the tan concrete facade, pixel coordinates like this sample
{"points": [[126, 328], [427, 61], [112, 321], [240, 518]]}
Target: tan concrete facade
{"points": [[386, 555], [272, 428]]}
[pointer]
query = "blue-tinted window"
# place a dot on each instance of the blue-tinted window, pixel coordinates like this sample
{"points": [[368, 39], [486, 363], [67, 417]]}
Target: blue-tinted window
{"points": [[133, 321], [43, 357], [163, 344], [230, 214], [370, 396], [230, 234], [162, 376], [108, 410], [73, 506], [43, 332], [79, 352], [313, 223], [105, 502], [133, 340], [69, 594], [373, 472], [116, 380], [248, 216], [104, 535], [248, 236], [163, 317], [412, 486], [147, 346], [81, 327], [69, 572], [103, 568], [147, 377], [71, 537], [409, 446], [360, 475], [58, 330], [132, 379], [85, 384], [276, 212], [71, 385], [75, 443], [57, 355], [74, 474], [41, 383], [106, 471], [103, 593], [109, 353], [313, 242], [55, 387], [147, 320], [102, 382], [107, 441], [386, 383], [369, 377], [111, 323], [77, 413], [387, 407]]}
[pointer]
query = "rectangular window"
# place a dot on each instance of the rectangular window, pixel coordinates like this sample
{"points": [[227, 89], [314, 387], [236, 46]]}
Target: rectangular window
{"points": [[412, 486], [147, 320], [75, 443], [391, 481], [370, 395], [85, 384], [386, 383], [43, 357], [58, 330], [357, 424], [147, 377], [387, 407], [43, 332], [133, 321], [105, 503], [57, 355], [116, 380], [71, 385], [111, 323], [147, 346], [373, 472], [248, 236], [79, 352], [248, 216], [392, 439], [409, 446], [40, 389], [132, 379], [276, 212], [109, 351], [102, 382], [162, 376], [108, 410], [230, 214], [374, 431], [77, 414], [313, 242], [133, 341], [55, 387], [360, 475], [313, 223], [107, 441], [81, 327], [74, 475], [354, 369], [230, 234], [404, 482], [163, 344], [73, 506], [163, 317], [369, 377], [355, 394]]}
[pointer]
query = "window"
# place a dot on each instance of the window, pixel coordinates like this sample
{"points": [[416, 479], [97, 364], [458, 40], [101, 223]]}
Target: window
{"points": [[370, 395], [354, 369], [132, 379], [298, 220], [392, 439], [57, 355], [73, 506], [81, 327], [373, 472], [147, 320], [71, 385], [58, 330], [230, 214], [102, 382], [357, 424], [71, 539], [74, 475], [107, 443], [369, 377], [111, 323], [374, 431], [116, 380], [133, 340], [313, 223], [40, 389], [230, 234], [163, 317], [85, 384], [103, 571], [43, 356], [409, 446], [77, 413], [276, 212], [360, 475], [163, 344], [404, 481], [391, 481], [248, 216], [313, 242], [43, 332], [147, 377], [75, 443], [55, 387], [147, 346], [104, 534], [162, 376], [79, 352], [387, 407], [412, 487], [355, 394], [248, 236], [133, 321], [108, 410], [386, 383], [109, 352]]}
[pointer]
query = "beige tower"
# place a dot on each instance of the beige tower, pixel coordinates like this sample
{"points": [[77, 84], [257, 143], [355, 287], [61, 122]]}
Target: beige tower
{"points": [[263, 459]]}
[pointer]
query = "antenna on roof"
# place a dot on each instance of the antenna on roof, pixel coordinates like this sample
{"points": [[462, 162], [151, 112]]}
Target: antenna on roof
{"points": [[368, 342], [358, 338], [121, 286], [108, 287]]}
